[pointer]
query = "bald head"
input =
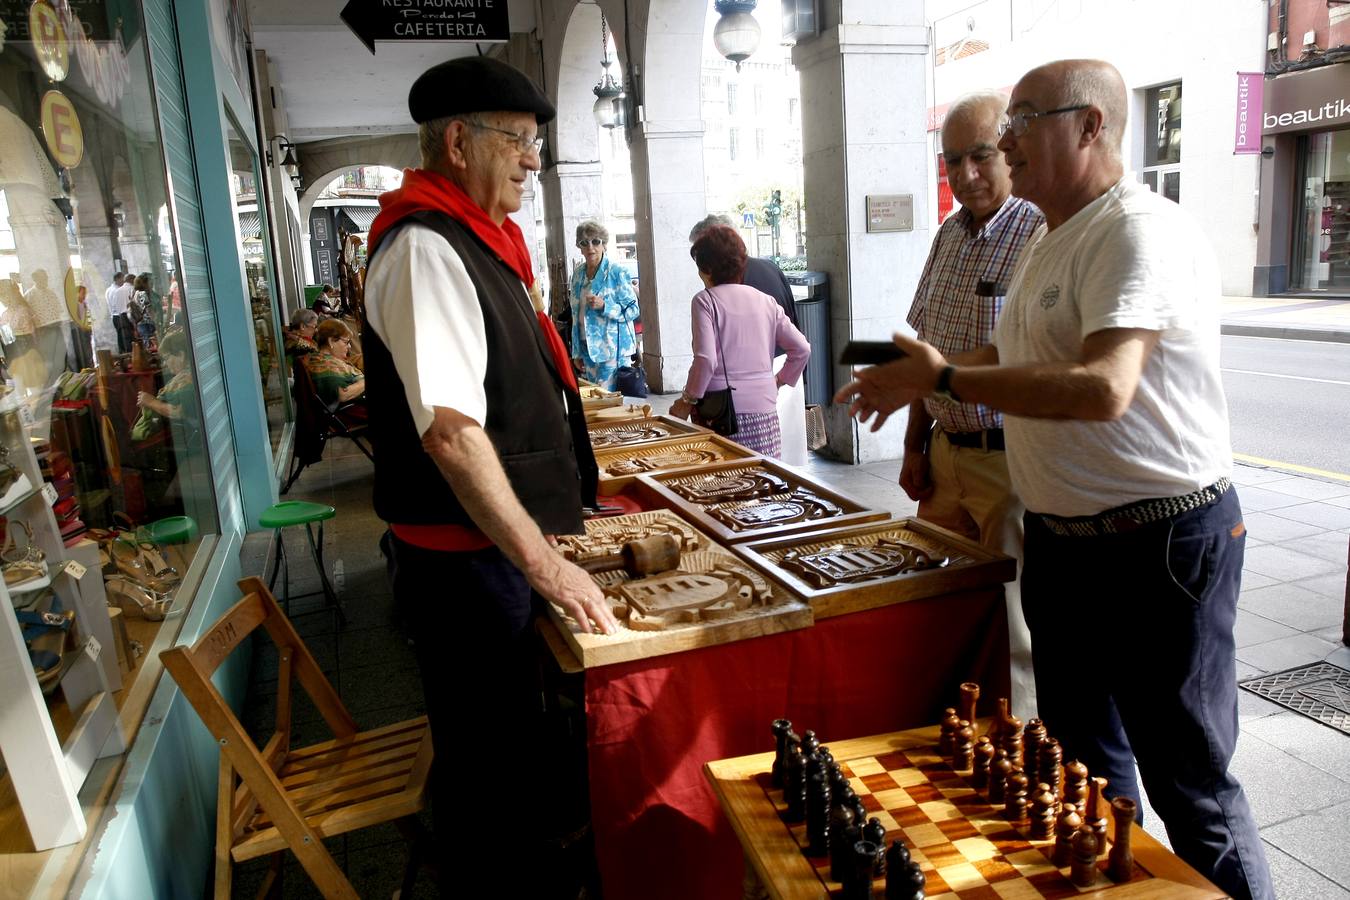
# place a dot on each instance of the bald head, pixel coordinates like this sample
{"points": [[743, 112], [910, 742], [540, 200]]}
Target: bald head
{"points": [[1089, 82]]}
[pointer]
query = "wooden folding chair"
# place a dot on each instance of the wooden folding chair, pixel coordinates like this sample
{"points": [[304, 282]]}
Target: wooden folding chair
{"points": [[278, 798]]}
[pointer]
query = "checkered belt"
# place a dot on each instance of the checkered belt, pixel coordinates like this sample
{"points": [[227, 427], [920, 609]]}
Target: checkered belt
{"points": [[1135, 515]]}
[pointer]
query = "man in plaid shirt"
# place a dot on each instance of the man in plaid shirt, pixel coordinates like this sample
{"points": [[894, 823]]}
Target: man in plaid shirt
{"points": [[957, 470]]}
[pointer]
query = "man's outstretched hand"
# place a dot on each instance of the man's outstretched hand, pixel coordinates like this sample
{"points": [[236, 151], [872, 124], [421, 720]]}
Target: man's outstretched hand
{"points": [[878, 391]]}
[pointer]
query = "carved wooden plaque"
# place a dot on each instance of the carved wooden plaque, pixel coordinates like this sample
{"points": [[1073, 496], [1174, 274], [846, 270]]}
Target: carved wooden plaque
{"points": [[865, 566], [746, 501], [620, 465], [594, 397], [635, 432], [713, 597]]}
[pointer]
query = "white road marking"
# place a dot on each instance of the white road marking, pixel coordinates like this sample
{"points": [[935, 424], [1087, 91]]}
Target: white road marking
{"points": [[1290, 377]]}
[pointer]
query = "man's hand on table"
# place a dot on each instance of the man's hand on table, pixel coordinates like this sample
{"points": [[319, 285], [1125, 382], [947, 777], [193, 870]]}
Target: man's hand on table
{"points": [[571, 588]]}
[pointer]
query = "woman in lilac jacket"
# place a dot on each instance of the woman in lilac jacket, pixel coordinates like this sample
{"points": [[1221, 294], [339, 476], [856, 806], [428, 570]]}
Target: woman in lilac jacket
{"points": [[745, 324]]}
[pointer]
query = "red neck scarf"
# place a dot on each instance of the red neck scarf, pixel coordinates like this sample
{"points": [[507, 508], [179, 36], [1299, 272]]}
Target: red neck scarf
{"points": [[426, 190]]}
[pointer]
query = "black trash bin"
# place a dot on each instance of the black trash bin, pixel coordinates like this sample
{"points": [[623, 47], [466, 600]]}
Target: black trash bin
{"points": [[811, 290]]}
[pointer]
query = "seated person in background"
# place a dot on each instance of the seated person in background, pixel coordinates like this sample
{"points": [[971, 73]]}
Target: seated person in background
{"points": [[323, 304], [299, 337], [336, 380], [175, 400]]}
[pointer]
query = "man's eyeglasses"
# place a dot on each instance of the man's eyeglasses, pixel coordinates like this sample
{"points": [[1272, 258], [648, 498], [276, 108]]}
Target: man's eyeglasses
{"points": [[523, 143], [1018, 123], [590, 242]]}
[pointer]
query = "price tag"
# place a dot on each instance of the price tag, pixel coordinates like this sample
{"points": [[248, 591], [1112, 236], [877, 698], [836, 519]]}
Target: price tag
{"points": [[76, 569], [25, 414], [49, 492], [93, 648]]}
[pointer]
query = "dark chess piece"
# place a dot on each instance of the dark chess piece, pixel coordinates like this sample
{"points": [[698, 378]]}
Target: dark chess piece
{"points": [[1095, 811], [1032, 738], [896, 858], [965, 708], [1065, 826], [838, 782], [875, 833], [1010, 733], [947, 733], [858, 883], [1075, 784], [844, 797], [963, 752], [810, 743], [983, 758], [1083, 857], [1043, 813], [781, 729], [905, 882], [794, 783], [1049, 767], [1120, 864], [817, 811], [843, 835], [1016, 791], [998, 777]]}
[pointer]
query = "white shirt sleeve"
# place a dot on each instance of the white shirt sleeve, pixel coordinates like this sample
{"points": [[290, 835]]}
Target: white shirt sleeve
{"points": [[422, 305]]}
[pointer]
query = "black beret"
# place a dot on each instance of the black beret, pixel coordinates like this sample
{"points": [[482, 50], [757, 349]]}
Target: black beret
{"points": [[473, 84]]}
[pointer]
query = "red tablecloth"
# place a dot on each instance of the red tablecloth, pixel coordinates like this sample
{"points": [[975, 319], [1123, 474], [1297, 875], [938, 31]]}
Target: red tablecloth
{"points": [[652, 724]]}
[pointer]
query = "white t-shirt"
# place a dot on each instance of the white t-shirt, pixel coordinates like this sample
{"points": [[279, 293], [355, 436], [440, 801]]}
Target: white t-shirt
{"points": [[120, 297], [422, 305], [1129, 259]]}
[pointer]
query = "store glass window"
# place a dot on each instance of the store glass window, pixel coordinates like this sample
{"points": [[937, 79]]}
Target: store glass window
{"points": [[1162, 140], [251, 225], [103, 457], [1322, 226]]}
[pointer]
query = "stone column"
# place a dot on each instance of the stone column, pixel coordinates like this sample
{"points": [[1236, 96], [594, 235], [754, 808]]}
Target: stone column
{"points": [[571, 195], [668, 198], [864, 120]]}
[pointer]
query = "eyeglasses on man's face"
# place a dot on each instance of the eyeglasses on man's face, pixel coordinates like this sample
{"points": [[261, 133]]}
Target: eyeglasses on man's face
{"points": [[524, 143], [1018, 123], [590, 242]]}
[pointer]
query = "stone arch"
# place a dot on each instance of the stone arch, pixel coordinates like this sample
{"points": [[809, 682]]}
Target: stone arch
{"points": [[322, 161]]}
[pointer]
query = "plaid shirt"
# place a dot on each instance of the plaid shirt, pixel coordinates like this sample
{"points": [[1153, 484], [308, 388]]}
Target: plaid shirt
{"points": [[947, 311]]}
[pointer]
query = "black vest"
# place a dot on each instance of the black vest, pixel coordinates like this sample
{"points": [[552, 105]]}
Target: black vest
{"points": [[544, 448]]}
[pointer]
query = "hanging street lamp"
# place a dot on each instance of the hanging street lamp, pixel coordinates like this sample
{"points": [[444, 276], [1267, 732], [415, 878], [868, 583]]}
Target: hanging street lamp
{"points": [[736, 34], [609, 95]]}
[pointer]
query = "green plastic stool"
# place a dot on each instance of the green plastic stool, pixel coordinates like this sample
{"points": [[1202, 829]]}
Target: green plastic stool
{"points": [[288, 514], [172, 530]]}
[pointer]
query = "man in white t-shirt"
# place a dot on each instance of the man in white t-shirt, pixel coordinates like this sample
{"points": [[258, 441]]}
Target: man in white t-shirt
{"points": [[1105, 363], [119, 298]]}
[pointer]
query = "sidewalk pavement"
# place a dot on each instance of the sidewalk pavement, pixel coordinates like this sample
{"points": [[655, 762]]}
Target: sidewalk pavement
{"points": [[1308, 318]]}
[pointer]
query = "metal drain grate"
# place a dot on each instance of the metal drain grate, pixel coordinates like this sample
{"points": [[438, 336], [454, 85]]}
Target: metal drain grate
{"points": [[1320, 691]]}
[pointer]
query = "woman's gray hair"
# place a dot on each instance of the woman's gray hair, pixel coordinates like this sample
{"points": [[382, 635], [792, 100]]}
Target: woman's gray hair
{"points": [[303, 317], [708, 222], [592, 229]]}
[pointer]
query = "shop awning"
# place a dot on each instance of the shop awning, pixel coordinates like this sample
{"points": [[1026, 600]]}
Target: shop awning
{"points": [[361, 216], [250, 226]]}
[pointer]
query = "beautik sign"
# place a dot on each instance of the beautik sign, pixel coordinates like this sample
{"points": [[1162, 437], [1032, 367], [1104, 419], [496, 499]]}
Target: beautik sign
{"points": [[1312, 100], [1327, 112], [1247, 137]]}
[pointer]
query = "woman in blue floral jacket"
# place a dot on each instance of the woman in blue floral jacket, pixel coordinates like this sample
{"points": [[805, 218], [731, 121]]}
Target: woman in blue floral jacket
{"points": [[604, 308]]}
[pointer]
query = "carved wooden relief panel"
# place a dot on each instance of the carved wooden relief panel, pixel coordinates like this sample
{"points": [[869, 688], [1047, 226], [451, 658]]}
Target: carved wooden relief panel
{"points": [[620, 465], [745, 501], [636, 432], [864, 566], [711, 597]]}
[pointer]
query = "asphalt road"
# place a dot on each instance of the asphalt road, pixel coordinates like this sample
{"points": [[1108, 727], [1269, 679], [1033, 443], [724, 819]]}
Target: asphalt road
{"points": [[1289, 401]]}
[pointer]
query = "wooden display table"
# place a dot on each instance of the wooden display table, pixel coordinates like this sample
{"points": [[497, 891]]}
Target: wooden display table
{"points": [[965, 847]]}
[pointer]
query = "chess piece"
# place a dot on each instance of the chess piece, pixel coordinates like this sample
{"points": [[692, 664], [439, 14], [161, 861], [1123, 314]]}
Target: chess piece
{"points": [[1049, 767], [875, 833], [1120, 863], [970, 692], [781, 729], [1043, 813], [1083, 857], [817, 810], [905, 881], [1065, 826], [1075, 783], [998, 777], [794, 783], [1016, 791], [963, 750], [843, 797], [1032, 737], [947, 733], [896, 858], [984, 757], [841, 841], [858, 884], [810, 743], [1094, 815], [1010, 732], [838, 783]]}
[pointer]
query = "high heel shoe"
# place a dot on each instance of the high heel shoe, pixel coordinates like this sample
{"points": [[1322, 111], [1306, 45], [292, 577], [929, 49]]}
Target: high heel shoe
{"points": [[136, 599], [25, 568], [134, 563]]}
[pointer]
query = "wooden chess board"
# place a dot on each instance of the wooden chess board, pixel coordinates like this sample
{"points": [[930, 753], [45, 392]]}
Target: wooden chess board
{"points": [[744, 500], [636, 432], [966, 848], [620, 466], [968, 566]]}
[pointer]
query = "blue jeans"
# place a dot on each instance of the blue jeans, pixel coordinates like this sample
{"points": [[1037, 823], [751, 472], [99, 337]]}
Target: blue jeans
{"points": [[1132, 639]]}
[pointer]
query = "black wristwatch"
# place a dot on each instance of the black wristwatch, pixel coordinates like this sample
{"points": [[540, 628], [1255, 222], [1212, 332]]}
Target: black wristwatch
{"points": [[943, 389]]}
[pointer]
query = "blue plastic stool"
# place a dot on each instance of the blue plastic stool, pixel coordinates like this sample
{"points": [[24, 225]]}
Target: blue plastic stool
{"points": [[287, 514]]}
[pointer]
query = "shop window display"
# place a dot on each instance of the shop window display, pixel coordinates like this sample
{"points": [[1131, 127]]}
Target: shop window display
{"points": [[99, 408]]}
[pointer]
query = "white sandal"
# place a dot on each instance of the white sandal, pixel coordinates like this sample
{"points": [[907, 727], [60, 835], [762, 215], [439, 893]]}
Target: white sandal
{"points": [[136, 599]]}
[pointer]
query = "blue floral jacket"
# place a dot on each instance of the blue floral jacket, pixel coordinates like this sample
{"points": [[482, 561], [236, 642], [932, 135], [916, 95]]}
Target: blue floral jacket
{"points": [[608, 332]]}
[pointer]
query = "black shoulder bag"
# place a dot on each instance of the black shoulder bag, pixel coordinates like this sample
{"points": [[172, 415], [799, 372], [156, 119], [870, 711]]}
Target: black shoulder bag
{"points": [[717, 409]]}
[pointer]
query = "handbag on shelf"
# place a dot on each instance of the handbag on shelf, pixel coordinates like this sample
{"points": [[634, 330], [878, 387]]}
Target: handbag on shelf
{"points": [[717, 409]]}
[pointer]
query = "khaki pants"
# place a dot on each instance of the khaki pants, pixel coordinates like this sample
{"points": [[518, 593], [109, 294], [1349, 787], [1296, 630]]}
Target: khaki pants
{"points": [[973, 496]]}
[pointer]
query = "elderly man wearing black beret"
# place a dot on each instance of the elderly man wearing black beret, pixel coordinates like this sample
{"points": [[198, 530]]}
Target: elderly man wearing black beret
{"points": [[481, 451]]}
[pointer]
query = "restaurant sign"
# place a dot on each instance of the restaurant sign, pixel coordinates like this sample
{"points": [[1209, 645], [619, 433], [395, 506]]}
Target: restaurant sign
{"points": [[475, 21]]}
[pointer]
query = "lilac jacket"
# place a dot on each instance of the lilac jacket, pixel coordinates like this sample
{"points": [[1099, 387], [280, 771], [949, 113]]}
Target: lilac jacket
{"points": [[751, 323]]}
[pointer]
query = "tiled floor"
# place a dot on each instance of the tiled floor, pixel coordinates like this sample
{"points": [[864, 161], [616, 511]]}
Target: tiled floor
{"points": [[1296, 771]]}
